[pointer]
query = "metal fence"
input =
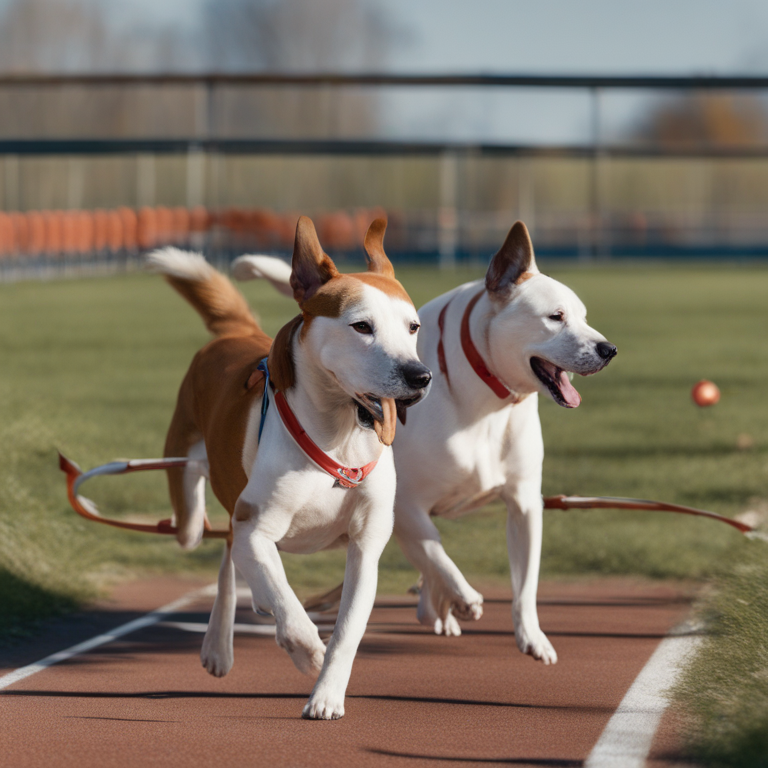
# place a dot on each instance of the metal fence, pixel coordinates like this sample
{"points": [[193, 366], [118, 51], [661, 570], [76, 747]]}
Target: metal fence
{"points": [[248, 146]]}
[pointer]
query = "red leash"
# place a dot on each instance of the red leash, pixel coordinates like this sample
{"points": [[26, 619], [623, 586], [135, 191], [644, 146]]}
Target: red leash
{"points": [[611, 502], [87, 509]]}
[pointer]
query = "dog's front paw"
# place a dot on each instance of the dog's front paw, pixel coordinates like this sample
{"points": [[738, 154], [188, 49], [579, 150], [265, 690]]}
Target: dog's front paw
{"points": [[440, 606], [535, 643], [447, 627], [216, 656], [324, 705], [305, 649], [468, 606]]}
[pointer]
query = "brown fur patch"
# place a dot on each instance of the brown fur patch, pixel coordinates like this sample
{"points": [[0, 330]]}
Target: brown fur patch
{"points": [[525, 276], [281, 365], [214, 404], [513, 260], [222, 406], [387, 285], [222, 307], [333, 298], [374, 246], [245, 511], [311, 266]]}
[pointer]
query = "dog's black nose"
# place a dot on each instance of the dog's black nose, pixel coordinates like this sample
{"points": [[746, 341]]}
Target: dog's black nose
{"points": [[416, 375], [606, 350]]}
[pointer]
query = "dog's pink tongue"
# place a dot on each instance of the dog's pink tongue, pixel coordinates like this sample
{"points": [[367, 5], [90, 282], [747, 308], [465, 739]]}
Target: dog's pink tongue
{"points": [[386, 429], [568, 391]]}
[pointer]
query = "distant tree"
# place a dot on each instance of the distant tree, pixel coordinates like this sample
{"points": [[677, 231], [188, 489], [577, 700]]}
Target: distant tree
{"points": [[53, 35], [705, 120], [298, 36]]}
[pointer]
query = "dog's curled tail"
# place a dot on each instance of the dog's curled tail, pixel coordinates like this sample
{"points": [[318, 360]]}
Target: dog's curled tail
{"points": [[222, 307], [276, 271]]}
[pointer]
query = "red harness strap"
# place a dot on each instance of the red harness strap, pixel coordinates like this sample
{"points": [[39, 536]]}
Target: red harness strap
{"points": [[347, 477], [440, 347], [474, 358]]}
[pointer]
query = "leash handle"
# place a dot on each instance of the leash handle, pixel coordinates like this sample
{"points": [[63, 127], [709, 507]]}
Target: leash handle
{"points": [[87, 509]]}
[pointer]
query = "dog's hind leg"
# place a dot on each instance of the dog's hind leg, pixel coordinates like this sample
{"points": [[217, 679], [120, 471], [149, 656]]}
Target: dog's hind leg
{"points": [[445, 593], [217, 653], [192, 523], [524, 531], [187, 485]]}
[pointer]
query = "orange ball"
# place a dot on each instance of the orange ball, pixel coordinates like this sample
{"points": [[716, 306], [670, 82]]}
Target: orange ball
{"points": [[705, 393]]}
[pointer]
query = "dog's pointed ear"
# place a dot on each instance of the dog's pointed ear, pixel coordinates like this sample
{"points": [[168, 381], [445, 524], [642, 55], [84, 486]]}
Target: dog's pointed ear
{"points": [[514, 261], [374, 247], [311, 266]]}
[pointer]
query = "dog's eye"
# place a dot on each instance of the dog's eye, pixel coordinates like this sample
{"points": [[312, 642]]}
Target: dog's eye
{"points": [[414, 327], [362, 327], [558, 316]]}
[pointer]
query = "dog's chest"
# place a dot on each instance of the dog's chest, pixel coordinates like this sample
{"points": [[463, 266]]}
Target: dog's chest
{"points": [[482, 461], [322, 522]]}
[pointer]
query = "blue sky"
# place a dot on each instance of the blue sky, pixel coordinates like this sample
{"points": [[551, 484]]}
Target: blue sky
{"points": [[588, 36], [584, 36], [538, 36]]}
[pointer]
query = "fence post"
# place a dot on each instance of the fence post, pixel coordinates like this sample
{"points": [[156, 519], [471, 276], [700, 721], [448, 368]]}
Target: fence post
{"points": [[11, 183], [447, 217], [145, 180], [600, 242]]}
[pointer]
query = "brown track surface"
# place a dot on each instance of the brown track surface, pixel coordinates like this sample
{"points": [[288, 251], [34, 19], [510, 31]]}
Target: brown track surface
{"points": [[414, 699]]}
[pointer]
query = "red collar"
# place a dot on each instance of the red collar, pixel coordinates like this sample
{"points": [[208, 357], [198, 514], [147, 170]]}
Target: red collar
{"points": [[347, 477], [474, 358]]}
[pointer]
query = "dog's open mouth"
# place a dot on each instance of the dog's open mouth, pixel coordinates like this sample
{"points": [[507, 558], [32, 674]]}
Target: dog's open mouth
{"points": [[380, 414], [557, 382]]}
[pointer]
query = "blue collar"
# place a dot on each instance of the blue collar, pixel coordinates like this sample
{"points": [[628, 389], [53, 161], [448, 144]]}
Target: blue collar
{"points": [[263, 366]]}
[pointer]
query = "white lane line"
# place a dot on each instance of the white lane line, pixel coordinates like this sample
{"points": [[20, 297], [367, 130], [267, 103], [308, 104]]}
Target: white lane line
{"points": [[143, 621], [267, 630], [626, 740]]}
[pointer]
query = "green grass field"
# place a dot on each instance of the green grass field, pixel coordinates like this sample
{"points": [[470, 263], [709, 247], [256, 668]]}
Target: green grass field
{"points": [[91, 367]]}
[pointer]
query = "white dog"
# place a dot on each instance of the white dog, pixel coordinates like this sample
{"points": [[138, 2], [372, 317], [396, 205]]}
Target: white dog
{"points": [[492, 346], [321, 473]]}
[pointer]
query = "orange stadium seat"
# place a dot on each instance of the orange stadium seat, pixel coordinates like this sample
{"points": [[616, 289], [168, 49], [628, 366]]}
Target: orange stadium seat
{"points": [[288, 222], [20, 233], [84, 231], [147, 228], [68, 231], [199, 219], [164, 225], [337, 230], [181, 225], [6, 235], [54, 232], [35, 233], [100, 219], [130, 222], [114, 231]]}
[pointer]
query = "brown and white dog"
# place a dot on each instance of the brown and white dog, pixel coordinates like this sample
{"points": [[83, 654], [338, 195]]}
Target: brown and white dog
{"points": [[341, 370], [493, 345]]}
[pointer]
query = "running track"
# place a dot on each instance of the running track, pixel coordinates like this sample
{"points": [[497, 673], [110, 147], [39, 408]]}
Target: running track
{"points": [[414, 699]]}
